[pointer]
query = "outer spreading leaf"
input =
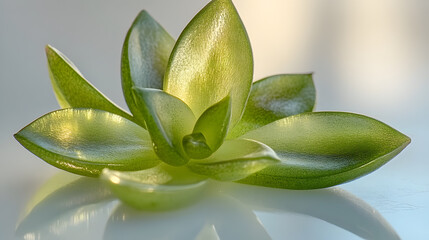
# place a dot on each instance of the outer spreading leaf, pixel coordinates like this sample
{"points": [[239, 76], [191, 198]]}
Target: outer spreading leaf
{"points": [[276, 97], [72, 89], [211, 59], [168, 120], [235, 159], [145, 53], [324, 149], [84, 141], [158, 188], [209, 130]]}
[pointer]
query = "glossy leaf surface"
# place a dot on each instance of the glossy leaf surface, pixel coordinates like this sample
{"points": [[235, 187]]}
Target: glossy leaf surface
{"points": [[145, 53], [84, 141], [214, 122], [168, 120], [323, 149], [72, 89], [209, 130], [211, 59], [195, 146], [235, 159], [160, 188], [276, 97]]}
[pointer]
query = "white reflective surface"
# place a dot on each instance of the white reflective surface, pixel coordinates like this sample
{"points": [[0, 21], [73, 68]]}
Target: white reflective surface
{"points": [[227, 211], [369, 57]]}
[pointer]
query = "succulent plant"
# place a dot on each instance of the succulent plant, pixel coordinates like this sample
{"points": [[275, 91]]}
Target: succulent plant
{"points": [[196, 115]]}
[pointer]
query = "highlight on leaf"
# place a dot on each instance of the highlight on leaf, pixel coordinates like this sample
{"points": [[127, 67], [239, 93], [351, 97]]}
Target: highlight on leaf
{"points": [[159, 188], [84, 141], [211, 59]]}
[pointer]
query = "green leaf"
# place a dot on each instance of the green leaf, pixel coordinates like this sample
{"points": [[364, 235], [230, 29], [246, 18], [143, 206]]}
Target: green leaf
{"points": [[84, 141], [145, 53], [168, 120], [276, 97], [159, 188], [235, 159], [209, 130], [211, 59], [195, 146], [72, 89], [214, 122], [323, 149]]}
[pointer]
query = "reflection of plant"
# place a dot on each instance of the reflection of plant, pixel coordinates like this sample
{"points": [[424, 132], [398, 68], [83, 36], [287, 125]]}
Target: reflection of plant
{"points": [[204, 118], [78, 206]]}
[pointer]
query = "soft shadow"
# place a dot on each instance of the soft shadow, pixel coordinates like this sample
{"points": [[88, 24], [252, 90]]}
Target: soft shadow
{"points": [[215, 216], [333, 205], [80, 207], [64, 207]]}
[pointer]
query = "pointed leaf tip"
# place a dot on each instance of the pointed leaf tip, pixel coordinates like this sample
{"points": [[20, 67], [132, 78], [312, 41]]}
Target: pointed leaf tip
{"points": [[145, 54], [214, 123], [84, 141], [323, 149], [211, 59], [72, 89]]}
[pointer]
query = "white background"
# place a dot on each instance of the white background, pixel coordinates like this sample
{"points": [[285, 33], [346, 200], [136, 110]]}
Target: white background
{"points": [[368, 57]]}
